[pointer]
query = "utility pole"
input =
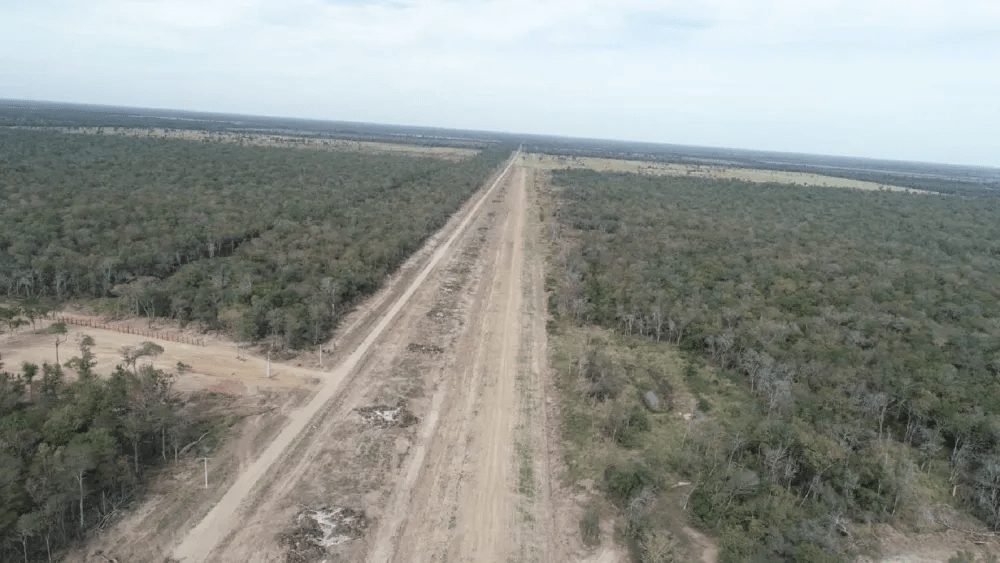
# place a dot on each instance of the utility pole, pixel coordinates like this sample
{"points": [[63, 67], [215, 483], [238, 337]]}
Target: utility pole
{"points": [[205, 459]]}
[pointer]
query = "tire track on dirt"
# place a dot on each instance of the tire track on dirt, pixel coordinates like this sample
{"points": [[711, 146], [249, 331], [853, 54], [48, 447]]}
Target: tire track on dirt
{"points": [[387, 539], [224, 517], [477, 487]]}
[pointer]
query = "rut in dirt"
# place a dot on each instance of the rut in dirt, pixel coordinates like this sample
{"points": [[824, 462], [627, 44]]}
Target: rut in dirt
{"points": [[477, 487]]}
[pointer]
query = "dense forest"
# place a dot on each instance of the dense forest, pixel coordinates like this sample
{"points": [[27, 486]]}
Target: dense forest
{"points": [[863, 329], [263, 242], [74, 446]]}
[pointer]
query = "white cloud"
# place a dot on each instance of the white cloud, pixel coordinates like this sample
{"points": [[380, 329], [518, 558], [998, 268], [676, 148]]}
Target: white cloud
{"points": [[915, 79]]}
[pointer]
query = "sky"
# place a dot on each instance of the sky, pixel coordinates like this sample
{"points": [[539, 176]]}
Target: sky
{"points": [[900, 79]]}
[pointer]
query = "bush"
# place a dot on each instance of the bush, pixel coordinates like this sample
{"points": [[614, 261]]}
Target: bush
{"points": [[811, 553], [625, 428], [838, 334], [625, 483], [659, 546], [704, 405], [605, 380], [590, 527]]}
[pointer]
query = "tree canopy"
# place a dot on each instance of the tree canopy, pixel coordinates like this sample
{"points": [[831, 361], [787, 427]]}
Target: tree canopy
{"points": [[72, 454], [865, 327], [264, 242]]}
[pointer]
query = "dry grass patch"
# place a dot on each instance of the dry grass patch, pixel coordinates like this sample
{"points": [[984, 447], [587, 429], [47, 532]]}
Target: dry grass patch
{"points": [[282, 141], [616, 444], [551, 162]]}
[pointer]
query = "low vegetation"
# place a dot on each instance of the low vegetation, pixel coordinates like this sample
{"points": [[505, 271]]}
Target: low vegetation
{"points": [[841, 351]]}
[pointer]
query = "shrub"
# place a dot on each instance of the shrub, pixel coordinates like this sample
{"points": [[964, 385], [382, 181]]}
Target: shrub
{"points": [[590, 527], [811, 553], [604, 377], [625, 483], [626, 428], [704, 405], [659, 546]]}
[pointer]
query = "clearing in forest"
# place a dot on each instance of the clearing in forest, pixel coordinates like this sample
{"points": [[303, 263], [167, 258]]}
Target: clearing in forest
{"points": [[551, 162], [282, 141]]}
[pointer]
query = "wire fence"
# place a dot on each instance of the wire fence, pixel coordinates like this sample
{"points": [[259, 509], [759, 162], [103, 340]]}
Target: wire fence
{"points": [[125, 329]]}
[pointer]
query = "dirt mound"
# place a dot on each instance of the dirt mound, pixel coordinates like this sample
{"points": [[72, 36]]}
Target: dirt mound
{"points": [[319, 529], [383, 416], [424, 348]]}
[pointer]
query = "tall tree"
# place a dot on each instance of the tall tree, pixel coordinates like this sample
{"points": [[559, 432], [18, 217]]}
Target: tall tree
{"points": [[59, 332]]}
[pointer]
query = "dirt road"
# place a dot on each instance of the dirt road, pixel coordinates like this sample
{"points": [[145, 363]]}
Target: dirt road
{"points": [[475, 490], [460, 345]]}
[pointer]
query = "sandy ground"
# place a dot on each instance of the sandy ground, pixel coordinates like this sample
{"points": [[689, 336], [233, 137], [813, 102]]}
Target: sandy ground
{"points": [[550, 162], [213, 367], [934, 546], [457, 338], [477, 488], [282, 141]]}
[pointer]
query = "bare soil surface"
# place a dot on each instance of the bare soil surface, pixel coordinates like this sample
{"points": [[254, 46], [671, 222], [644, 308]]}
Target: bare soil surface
{"points": [[328, 453], [213, 367], [476, 487], [550, 162], [281, 141], [947, 535]]}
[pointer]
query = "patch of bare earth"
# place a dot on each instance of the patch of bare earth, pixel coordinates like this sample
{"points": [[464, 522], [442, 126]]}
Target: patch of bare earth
{"points": [[215, 366], [215, 383], [281, 141], [477, 487], [943, 535], [328, 453], [551, 162]]}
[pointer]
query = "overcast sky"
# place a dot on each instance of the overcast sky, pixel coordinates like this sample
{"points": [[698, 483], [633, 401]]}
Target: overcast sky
{"points": [[904, 79]]}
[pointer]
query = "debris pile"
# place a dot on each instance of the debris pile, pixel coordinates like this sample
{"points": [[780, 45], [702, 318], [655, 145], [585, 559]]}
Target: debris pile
{"points": [[322, 528], [383, 416], [424, 348]]}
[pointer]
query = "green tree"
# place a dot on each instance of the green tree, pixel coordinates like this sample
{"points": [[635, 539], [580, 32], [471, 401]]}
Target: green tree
{"points": [[28, 373], [131, 354], [59, 332], [85, 362], [29, 525], [11, 317], [83, 454], [52, 380]]}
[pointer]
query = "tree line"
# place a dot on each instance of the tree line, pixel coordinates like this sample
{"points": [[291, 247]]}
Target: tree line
{"points": [[263, 242], [74, 447], [863, 326]]}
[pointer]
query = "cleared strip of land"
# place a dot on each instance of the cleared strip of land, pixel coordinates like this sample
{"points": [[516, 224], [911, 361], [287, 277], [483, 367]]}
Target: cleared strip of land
{"points": [[280, 141], [550, 162]]}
